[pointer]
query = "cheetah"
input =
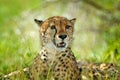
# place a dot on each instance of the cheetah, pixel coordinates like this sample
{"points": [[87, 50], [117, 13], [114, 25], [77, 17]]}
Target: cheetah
{"points": [[56, 60]]}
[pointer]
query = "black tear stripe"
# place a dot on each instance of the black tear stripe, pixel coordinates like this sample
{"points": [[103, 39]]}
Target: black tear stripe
{"points": [[54, 37]]}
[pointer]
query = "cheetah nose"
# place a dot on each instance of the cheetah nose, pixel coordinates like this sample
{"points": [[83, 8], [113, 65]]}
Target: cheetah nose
{"points": [[63, 36]]}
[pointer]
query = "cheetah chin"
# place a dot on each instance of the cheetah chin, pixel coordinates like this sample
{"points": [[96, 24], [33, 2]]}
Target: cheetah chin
{"points": [[61, 45]]}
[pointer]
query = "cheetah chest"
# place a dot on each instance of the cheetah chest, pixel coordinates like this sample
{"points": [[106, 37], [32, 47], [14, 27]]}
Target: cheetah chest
{"points": [[60, 66]]}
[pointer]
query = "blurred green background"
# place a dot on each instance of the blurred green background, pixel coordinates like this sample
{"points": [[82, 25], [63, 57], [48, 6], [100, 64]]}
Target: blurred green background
{"points": [[97, 30]]}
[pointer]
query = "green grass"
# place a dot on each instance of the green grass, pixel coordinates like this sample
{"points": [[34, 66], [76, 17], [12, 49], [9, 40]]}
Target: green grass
{"points": [[8, 9], [16, 51]]}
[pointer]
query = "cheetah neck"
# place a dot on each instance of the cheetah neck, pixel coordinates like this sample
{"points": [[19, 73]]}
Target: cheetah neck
{"points": [[51, 56], [52, 59]]}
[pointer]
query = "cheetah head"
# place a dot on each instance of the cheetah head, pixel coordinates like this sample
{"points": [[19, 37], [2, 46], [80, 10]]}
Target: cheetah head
{"points": [[56, 32]]}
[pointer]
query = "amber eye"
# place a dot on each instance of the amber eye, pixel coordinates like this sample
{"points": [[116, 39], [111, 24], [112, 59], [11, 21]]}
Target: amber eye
{"points": [[67, 26], [53, 27]]}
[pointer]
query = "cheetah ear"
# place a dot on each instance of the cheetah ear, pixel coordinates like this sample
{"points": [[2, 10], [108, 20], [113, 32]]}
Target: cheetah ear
{"points": [[73, 20], [39, 22]]}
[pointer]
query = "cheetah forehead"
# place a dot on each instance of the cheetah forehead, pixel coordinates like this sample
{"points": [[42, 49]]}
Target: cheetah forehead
{"points": [[57, 21]]}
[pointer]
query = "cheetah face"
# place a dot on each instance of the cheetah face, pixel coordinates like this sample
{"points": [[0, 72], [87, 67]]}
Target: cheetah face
{"points": [[56, 32]]}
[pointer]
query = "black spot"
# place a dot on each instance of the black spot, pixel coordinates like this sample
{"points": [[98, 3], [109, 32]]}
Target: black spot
{"points": [[44, 75], [45, 71], [45, 59], [78, 79], [63, 55], [61, 60], [66, 62], [65, 70], [44, 55], [37, 70], [66, 50], [70, 77], [69, 48], [36, 67], [59, 65], [30, 74], [56, 78], [58, 74], [43, 62], [32, 78], [74, 71], [64, 65], [6, 78], [58, 69], [80, 69], [68, 56]]}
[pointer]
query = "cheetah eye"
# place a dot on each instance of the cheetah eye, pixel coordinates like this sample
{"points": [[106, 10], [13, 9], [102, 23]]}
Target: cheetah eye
{"points": [[53, 27], [67, 26]]}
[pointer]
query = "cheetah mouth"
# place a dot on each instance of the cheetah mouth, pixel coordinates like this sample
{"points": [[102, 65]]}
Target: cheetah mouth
{"points": [[61, 44]]}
